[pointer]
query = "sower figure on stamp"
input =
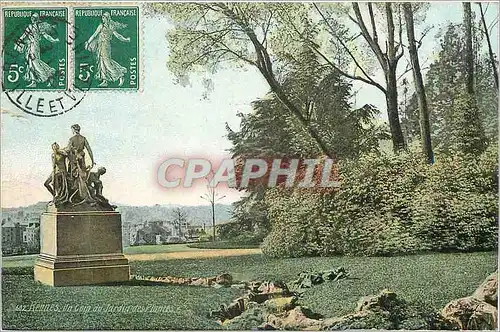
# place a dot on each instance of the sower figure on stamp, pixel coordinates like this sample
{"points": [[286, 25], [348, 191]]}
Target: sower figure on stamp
{"points": [[29, 43], [100, 44], [57, 182], [77, 169], [94, 184]]}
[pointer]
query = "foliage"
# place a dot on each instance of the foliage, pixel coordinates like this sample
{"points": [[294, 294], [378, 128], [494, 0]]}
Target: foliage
{"points": [[21, 249], [249, 238], [349, 132], [298, 223], [157, 248], [18, 270], [246, 239], [208, 36], [249, 215], [389, 205], [205, 237], [458, 208]]}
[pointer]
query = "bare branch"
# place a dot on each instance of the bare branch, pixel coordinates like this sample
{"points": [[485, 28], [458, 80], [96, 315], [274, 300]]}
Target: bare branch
{"points": [[353, 77], [424, 33], [332, 32], [199, 34], [493, 24], [266, 30], [229, 50], [372, 20], [352, 19], [408, 69], [202, 17], [356, 37], [374, 46], [391, 50], [400, 32]]}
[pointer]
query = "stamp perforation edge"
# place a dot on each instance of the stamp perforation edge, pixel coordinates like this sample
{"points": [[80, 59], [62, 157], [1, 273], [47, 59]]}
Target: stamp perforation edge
{"points": [[70, 6], [31, 5], [140, 45]]}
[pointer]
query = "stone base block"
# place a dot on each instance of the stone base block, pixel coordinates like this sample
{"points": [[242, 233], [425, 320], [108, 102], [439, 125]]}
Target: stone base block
{"points": [[81, 275], [81, 248]]}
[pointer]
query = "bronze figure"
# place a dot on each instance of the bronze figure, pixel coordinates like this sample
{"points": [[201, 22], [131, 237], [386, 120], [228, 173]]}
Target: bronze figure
{"points": [[71, 182]]}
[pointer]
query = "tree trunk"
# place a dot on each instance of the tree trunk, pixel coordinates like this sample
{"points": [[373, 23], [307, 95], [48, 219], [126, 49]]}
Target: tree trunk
{"points": [[213, 219], [469, 56], [490, 49], [391, 99], [425, 132], [388, 62]]}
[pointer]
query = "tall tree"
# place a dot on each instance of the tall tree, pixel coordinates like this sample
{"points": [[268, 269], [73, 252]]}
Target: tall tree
{"points": [[388, 60], [351, 132], [458, 120], [178, 219], [207, 35], [425, 131], [469, 52], [212, 196], [490, 49]]}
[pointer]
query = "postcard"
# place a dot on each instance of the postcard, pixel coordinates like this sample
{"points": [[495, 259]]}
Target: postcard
{"points": [[249, 165]]}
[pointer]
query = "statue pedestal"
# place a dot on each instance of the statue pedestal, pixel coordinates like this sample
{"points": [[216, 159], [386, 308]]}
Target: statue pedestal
{"points": [[81, 248]]}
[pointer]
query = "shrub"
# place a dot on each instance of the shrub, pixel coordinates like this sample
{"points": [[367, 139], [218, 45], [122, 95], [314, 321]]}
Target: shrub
{"points": [[301, 225], [221, 245], [389, 205], [457, 209], [249, 237]]}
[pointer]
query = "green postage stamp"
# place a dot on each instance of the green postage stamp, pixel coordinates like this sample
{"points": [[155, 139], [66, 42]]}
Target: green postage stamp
{"points": [[249, 165], [106, 52], [35, 49]]}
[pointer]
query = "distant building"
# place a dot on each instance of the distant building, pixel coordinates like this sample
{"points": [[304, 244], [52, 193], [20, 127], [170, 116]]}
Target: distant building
{"points": [[21, 233], [129, 233], [12, 236], [30, 219], [31, 235], [150, 232]]}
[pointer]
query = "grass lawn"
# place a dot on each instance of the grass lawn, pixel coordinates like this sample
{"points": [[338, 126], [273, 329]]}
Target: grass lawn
{"points": [[14, 261], [154, 249], [29, 260], [431, 280]]}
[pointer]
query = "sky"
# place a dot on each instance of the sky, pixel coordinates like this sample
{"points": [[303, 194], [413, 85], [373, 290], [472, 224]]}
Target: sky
{"points": [[131, 133]]}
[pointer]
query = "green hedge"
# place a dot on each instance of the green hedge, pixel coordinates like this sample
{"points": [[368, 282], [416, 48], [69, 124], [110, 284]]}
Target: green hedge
{"points": [[390, 205], [222, 245]]}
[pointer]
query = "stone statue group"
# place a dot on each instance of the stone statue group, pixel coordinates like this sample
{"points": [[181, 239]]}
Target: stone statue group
{"points": [[71, 182]]}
